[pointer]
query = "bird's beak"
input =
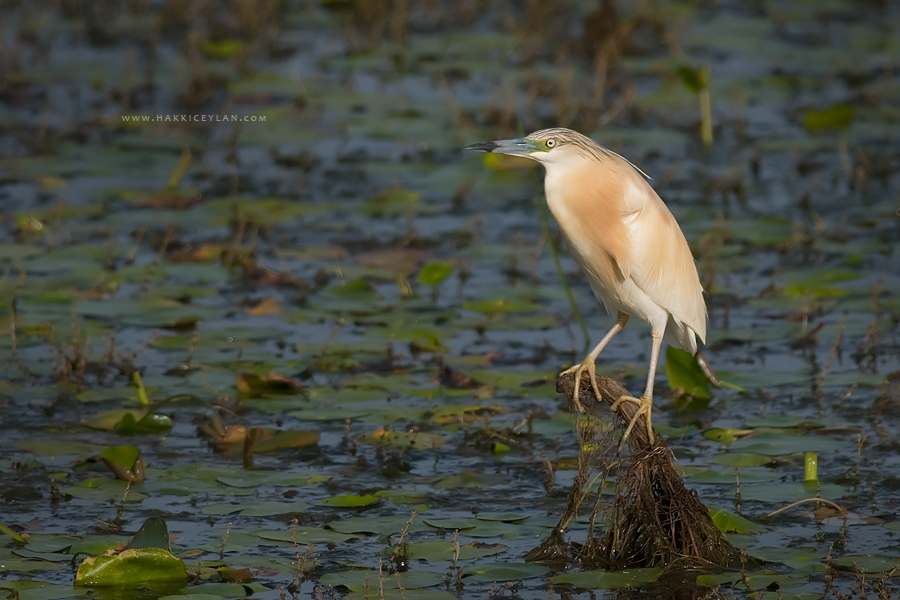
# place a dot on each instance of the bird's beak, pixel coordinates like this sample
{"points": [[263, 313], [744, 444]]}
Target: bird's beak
{"points": [[517, 146]]}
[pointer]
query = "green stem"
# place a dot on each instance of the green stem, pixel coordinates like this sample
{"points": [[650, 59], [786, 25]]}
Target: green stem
{"points": [[706, 129], [11, 533]]}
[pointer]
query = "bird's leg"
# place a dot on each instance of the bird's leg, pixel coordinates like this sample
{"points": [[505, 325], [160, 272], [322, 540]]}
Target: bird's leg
{"points": [[645, 402], [589, 363]]}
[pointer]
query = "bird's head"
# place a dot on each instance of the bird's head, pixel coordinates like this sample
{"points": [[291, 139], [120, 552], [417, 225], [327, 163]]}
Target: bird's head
{"points": [[547, 146], [557, 146]]}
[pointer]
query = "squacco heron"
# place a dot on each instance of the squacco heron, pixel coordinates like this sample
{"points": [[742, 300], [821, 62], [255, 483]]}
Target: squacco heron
{"points": [[625, 240]]}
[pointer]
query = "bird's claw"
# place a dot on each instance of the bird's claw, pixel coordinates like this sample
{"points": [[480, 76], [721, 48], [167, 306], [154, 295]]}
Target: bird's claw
{"points": [[591, 368], [645, 405]]}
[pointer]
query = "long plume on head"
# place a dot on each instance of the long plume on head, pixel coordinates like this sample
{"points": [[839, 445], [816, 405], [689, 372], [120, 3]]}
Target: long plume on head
{"points": [[584, 143]]}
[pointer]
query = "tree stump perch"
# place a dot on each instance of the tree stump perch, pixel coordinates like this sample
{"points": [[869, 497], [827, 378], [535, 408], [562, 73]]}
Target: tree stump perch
{"points": [[654, 521]]}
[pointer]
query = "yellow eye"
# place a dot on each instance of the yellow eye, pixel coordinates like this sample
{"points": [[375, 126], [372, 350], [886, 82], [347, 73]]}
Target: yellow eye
{"points": [[551, 143]]}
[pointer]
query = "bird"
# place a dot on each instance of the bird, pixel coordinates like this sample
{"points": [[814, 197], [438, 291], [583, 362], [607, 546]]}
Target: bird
{"points": [[625, 240]]}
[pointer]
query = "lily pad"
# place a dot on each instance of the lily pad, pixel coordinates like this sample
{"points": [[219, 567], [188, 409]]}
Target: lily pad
{"points": [[609, 580], [131, 568]]}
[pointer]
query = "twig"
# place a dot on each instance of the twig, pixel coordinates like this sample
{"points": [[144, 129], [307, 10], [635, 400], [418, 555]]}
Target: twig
{"points": [[799, 502]]}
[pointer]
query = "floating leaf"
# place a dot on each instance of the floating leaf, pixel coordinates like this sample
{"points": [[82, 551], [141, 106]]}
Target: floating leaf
{"points": [[222, 49], [254, 384], [500, 571], [421, 440], [470, 479], [56, 446], [833, 117], [778, 442], [255, 508], [696, 80], [590, 580], [730, 522], [304, 536], [435, 273], [350, 501], [386, 525], [359, 580], [131, 568], [444, 550], [125, 462], [271, 440], [684, 372], [452, 523], [151, 422], [741, 459], [154, 533]]}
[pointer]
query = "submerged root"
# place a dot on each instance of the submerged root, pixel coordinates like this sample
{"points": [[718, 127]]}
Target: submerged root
{"points": [[655, 521]]}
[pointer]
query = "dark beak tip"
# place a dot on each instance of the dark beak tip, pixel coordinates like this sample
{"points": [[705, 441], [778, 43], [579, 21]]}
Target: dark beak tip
{"points": [[481, 146]]}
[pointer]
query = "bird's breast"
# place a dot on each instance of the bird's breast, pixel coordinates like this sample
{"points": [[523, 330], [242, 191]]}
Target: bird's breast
{"points": [[588, 209]]}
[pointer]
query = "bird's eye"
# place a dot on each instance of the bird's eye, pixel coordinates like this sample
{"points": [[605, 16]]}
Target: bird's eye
{"points": [[551, 143]]}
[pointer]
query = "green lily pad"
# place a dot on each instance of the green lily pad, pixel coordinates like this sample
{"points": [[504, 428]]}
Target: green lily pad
{"points": [[255, 508], [350, 501], [792, 491], [779, 442], [131, 568], [25, 589], [56, 446], [730, 522], [590, 580], [304, 536], [504, 571], [125, 461], [435, 273], [154, 533], [443, 551], [741, 459], [867, 563], [471, 479], [684, 372], [358, 580]]}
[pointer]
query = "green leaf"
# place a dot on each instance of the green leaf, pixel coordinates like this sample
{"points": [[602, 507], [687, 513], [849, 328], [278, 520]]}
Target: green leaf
{"points": [[359, 580], [11, 533], [56, 446], [125, 462], [350, 501], [608, 580], [834, 117], [387, 525], [24, 589], [778, 442], [435, 273], [154, 533], [287, 439], [500, 571], [741, 459], [867, 563], [255, 508], [444, 550], [304, 536], [730, 522], [131, 568], [684, 372], [696, 80]]}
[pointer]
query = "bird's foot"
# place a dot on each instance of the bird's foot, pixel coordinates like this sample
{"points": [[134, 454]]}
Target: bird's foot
{"points": [[645, 405], [589, 366]]}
